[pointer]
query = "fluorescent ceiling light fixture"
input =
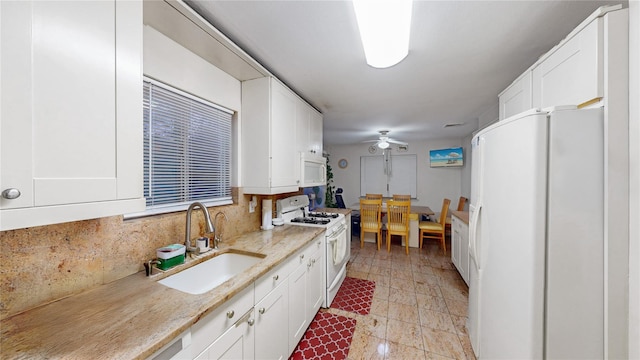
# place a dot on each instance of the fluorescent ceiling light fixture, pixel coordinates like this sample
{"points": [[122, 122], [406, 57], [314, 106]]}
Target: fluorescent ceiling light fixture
{"points": [[384, 26]]}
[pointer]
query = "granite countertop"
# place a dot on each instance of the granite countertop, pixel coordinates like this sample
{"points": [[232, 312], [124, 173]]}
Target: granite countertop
{"points": [[133, 317], [462, 215]]}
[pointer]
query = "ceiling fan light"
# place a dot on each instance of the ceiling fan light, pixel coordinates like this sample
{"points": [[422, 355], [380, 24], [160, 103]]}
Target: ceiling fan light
{"points": [[383, 144], [385, 26]]}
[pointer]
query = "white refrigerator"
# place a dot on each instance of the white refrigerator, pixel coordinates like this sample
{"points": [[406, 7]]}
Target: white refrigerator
{"points": [[536, 237]]}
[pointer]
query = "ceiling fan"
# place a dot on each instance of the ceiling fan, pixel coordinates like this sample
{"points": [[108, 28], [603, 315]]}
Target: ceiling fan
{"points": [[384, 141]]}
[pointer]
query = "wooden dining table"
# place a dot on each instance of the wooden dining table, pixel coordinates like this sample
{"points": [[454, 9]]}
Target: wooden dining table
{"points": [[415, 209], [413, 224]]}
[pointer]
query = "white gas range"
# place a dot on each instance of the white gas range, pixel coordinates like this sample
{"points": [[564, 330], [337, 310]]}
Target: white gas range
{"points": [[295, 211]]}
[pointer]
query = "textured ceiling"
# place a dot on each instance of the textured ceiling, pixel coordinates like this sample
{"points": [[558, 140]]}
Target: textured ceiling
{"points": [[461, 55]]}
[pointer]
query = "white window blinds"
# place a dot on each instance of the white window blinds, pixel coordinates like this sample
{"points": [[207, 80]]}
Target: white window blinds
{"points": [[187, 149]]}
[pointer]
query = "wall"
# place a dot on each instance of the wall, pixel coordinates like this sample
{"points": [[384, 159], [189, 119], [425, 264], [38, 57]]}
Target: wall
{"points": [[434, 184], [634, 179], [167, 61], [42, 264]]}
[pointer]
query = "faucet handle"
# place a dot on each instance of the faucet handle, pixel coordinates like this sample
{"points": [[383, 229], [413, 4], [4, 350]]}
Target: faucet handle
{"points": [[216, 240], [148, 266]]}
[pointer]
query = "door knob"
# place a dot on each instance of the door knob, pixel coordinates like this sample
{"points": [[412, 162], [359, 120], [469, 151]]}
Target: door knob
{"points": [[11, 193]]}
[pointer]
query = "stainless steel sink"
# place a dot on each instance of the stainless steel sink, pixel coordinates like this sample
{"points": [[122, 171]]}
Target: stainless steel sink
{"points": [[207, 275]]}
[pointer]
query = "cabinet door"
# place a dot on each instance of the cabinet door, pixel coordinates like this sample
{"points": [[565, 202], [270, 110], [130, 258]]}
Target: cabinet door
{"points": [[315, 284], [270, 314], [464, 251], [308, 129], [315, 132], [517, 97], [236, 343], [455, 243], [283, 149], [573, 73], [303, 120], [297, 305], [71, 105]]}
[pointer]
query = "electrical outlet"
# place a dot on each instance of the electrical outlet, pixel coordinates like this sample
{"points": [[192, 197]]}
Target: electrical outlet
{"points": [[252, 204]]}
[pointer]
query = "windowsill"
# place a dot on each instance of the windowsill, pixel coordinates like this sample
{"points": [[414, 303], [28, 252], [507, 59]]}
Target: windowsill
{"points": [[174, 208]]}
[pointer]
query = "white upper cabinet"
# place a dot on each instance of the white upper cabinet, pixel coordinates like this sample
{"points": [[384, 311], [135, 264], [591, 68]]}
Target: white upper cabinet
{"points": [[572, 72], [517, 97], [309, 130], [269, 157], [71, 111]]}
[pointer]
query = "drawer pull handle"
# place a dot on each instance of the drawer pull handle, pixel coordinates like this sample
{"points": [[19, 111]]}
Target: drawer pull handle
{"points": [[262, 310], [276, 277], [230, 314], [251, 322]]}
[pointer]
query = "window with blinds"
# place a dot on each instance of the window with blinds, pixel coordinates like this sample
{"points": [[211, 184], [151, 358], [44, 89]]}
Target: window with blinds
{"points": [[187, 149]]}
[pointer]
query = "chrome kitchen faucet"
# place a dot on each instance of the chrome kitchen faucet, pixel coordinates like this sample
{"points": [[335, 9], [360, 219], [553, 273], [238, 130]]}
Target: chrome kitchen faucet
{"points": [[207, 222]]}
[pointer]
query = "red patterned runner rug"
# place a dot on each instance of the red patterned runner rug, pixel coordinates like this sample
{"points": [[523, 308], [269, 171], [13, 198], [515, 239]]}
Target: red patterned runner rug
{"points": [[355, 295], [328, 337]]}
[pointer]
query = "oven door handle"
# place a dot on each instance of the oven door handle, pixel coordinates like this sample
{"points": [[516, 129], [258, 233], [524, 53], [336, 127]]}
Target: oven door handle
{"points": [[336, 233]]}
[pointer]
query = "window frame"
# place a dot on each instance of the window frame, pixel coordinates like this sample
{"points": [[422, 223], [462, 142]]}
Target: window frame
{"points": [[181, 206]]}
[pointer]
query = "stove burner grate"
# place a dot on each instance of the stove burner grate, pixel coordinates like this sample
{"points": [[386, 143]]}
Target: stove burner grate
{"points": [[323, 215], [311, 220]]}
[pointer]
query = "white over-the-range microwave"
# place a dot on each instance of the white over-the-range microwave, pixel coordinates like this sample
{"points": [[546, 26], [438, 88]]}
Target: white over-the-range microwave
{"points": [[313, 170]]}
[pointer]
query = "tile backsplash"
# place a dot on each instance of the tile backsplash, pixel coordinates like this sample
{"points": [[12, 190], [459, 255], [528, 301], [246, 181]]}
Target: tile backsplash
{"points": [[39, 265]]}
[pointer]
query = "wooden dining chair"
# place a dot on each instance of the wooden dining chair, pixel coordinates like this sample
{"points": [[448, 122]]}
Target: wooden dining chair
{"points": [[401, 197], [373, 196], [370, 219], [461, 202], [435, 230], [398, 221]]}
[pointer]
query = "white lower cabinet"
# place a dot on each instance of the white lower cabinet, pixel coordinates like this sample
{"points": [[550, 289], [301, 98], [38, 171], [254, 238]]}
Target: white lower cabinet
{"points": [[235, 343], [305, 290], [297, 308], [315, 276], [227, 331], [286, 300], [270, 313], [460, 247]]}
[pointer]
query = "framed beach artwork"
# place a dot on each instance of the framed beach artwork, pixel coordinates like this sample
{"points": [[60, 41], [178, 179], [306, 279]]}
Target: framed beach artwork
{"points": [[446, 157]]}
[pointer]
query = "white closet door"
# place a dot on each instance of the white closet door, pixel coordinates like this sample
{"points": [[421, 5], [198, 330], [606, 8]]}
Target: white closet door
{"points": [[403, 178], [373, 180]]}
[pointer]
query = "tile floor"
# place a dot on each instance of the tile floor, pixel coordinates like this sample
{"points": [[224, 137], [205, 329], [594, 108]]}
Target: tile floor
{"points": [[419, 306]]}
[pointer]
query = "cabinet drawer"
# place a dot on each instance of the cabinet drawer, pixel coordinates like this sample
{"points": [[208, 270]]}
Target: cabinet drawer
{"points": [[209, 328], [275, 277]]}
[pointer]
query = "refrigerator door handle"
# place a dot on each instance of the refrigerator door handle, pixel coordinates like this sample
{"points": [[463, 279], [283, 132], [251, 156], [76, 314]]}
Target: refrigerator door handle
{"points": [[473, 236]]}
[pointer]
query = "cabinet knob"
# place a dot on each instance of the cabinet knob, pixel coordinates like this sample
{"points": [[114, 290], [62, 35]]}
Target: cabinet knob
{"points": [[262, 310], [11, 193], [230, 314], [276, 277], [301, 256], [251, 322], [313, 261]]}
